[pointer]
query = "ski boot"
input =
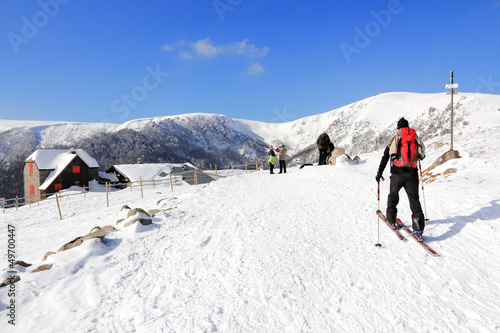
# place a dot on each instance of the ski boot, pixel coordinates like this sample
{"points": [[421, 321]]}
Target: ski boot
{"points": [[418, 236]]}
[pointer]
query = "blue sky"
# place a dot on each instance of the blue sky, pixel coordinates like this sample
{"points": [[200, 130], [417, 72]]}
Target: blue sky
{"points": [[267, 60]]}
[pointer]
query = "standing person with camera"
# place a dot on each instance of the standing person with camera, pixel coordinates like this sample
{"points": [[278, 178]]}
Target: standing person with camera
{"points": [[282, 157], [272, 159]]}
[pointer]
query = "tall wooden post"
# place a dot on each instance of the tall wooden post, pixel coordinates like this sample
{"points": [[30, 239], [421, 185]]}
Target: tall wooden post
{"points": [[140, 180], [451, 81], [450, 153], [171, 185], [451, 86], [58, 207]]}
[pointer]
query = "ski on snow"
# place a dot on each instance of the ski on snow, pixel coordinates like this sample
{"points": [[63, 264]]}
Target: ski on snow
{"points": [[408, 231], [396, 231], [423, 244]]}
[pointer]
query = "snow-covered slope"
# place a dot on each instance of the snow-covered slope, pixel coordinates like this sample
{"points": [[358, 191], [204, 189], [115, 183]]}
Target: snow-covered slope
{"points": [[269, 253]]}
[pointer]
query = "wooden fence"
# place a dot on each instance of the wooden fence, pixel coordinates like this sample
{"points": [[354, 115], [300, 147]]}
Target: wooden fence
{"points": [[173, 180]]}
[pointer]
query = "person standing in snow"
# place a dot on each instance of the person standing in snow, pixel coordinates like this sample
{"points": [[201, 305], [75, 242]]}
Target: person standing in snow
{"points": [[323, 142], [404, 174], [329, 151], [282, 157], [272, 159]]}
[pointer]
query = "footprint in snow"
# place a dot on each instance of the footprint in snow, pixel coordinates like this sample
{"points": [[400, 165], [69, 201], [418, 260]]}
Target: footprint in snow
{"points": [[206, 241]]}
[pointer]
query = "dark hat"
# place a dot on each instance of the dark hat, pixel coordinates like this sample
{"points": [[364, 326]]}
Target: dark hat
{"points": [[402, 123]]}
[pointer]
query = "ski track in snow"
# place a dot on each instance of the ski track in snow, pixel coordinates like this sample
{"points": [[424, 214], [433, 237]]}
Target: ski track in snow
{"points": [[270, 253]]}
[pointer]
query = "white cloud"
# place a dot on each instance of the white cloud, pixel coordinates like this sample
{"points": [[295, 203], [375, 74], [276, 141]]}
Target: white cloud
{"points": [[205, 48], [185, 55], [243, 48], [167, 47], [255, 68]]}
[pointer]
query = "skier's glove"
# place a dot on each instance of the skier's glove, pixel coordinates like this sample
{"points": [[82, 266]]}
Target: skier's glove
{"points": [[379, 176]]}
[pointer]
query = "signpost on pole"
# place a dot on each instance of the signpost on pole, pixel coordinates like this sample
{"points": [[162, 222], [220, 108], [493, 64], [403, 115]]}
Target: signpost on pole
{"points": [[451, 153], [451, 86]]}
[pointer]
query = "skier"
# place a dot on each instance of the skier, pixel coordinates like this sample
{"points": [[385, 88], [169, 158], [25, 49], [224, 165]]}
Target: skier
{"points": [[323, 142], [282, 157], [404, 149]]}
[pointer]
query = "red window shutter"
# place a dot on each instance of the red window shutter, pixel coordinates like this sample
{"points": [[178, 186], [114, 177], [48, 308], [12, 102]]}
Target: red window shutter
{"points": [[31, 167], [76, 169], [32, 188], [58, 186]]}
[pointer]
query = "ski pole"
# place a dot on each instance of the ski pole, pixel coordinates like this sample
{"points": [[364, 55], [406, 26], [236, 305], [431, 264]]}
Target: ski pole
{"points": [[378, 217], [423, 194]]}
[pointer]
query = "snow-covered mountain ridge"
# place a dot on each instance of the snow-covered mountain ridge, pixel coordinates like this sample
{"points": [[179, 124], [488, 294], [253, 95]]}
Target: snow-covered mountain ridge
{"points": [[428, 113], [206, 140]]}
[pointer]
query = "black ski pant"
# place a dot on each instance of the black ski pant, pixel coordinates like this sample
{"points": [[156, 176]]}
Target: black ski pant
{"points": [[410, 184], [282, 166], [271, 167], [322, 156]]}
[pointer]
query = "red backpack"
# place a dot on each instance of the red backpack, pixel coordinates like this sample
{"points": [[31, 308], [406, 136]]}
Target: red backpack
{"points": [[407, 154]]}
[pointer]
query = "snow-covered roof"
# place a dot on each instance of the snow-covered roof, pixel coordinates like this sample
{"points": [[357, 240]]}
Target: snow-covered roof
{"points": [[147, 171], [47, 159], [58, 160], [108, 176]]}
